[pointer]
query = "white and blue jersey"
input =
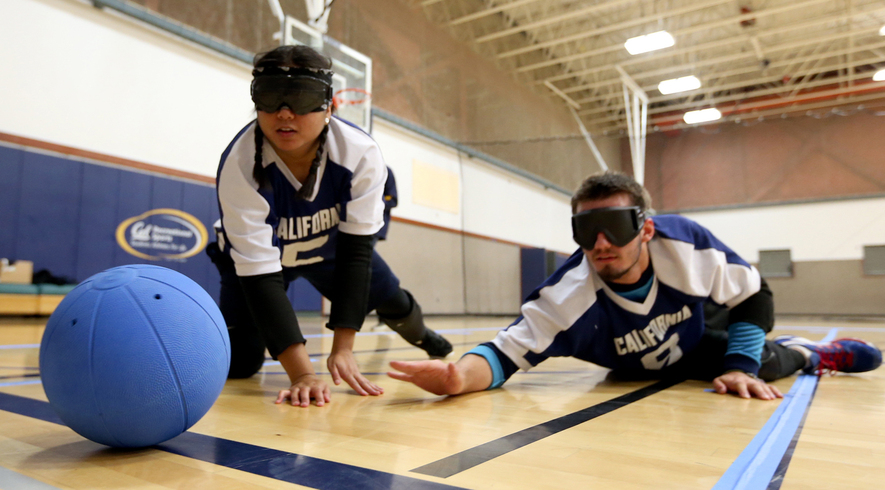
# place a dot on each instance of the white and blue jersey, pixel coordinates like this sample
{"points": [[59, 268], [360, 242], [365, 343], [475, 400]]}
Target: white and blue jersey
{"points": [[268, 229], [574, 313]]}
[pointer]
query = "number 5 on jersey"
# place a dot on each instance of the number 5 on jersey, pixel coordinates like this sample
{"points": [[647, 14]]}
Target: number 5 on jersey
{"points": [[290, 252]]}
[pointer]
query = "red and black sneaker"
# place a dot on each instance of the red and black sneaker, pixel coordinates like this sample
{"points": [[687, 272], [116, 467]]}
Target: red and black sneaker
{"points": [[845, 355]]}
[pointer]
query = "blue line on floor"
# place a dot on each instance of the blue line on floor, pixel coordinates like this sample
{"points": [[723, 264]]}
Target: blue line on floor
{"points": [[778, 478], [453, 331], [20, 383], [469, 458], [16, 481], [755, 467], [271, 463]]}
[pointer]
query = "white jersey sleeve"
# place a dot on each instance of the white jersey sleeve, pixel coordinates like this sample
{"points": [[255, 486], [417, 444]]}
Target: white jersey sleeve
{"points": [[358, 152], [688, 257], [553, 308], [244, 211]]}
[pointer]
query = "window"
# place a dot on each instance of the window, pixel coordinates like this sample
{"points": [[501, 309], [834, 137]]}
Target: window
{"points": [[874, 260], [775, 263]]}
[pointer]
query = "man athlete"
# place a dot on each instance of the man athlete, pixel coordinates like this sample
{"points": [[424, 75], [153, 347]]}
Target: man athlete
{"points": [[632, 299]]}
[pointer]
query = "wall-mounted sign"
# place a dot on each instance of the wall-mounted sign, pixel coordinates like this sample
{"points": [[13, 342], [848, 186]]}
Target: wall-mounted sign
{"points": [[163, 233]]}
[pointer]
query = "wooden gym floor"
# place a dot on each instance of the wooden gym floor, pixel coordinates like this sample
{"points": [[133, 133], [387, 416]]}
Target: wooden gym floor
{"points": [[562, 425]]}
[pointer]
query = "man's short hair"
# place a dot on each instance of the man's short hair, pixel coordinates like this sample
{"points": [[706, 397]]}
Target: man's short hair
{"points": [[606, 184]]}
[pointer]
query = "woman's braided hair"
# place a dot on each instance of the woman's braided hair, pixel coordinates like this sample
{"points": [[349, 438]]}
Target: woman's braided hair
{"points": [[294, 56]]}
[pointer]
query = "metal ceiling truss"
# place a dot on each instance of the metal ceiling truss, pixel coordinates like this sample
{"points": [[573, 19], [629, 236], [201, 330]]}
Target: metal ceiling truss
{"points": [[793, 49], [782, 78], [765, 57], [701, 47]]}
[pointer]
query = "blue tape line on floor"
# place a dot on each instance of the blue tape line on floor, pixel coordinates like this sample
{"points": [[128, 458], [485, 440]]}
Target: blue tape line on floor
{"points": [[756, 465], [16, 481]]}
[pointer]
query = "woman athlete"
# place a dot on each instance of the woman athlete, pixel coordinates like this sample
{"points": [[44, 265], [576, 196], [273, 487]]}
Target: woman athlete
{"points": [[300, 194]]}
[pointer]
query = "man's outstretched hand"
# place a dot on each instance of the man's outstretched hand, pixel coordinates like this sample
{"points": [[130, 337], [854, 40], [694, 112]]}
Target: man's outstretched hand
{"points": [[435, 376]]}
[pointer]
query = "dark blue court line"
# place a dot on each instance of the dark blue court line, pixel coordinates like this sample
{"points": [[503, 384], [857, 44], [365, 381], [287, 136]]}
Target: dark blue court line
{"points": [[388, 349], [289, 467], [271, 463], [455, 331], [20, 376], [465, 460], [518, 373], [371, 351], [28, 407]]}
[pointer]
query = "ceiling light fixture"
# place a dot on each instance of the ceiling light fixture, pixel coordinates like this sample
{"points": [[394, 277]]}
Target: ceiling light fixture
{"points": [[681, 84], [649, 42], [703, 115]]}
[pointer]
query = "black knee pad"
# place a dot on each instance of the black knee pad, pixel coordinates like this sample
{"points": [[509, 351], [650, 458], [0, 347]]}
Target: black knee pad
{"points": [[779, 362], [410, 327], [398, 305]]}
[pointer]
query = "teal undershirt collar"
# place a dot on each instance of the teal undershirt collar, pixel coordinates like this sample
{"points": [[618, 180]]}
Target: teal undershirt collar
{"points": [[637, 291]]}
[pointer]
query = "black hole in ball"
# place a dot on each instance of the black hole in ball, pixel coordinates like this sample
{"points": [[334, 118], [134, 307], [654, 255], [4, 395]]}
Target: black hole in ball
{"points": [[157, 296], [74, 322]]}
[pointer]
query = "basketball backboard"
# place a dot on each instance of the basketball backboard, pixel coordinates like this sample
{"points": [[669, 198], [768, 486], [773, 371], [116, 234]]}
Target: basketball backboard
{"points": [[353, 70]]}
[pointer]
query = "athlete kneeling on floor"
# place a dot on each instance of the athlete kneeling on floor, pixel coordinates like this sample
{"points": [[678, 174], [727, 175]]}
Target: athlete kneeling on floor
{"points": [[300, 194]]}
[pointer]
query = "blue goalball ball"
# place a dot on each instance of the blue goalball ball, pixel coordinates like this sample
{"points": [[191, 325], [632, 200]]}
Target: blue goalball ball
{"points": [[134, 356]]}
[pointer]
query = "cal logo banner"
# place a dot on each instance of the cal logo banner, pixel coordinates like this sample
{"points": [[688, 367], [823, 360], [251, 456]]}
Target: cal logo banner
{"points": [[162, 234]]}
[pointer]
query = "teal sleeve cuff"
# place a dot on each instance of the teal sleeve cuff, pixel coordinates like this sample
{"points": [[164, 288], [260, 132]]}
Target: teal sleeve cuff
{"points": [[745, 340], [489, 355]]}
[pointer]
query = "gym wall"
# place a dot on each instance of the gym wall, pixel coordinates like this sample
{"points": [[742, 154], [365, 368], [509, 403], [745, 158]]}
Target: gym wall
{"points": [[101, 93], [136, 99], [813, 185], [423, 75]]}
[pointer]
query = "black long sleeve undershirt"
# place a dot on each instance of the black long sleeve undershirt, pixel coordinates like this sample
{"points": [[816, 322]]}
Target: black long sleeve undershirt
{"points": [[353, 274], [758, 309], [272, 311]]}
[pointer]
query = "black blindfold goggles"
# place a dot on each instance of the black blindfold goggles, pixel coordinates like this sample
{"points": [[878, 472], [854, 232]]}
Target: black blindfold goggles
{"points": [[301, 90], [619, 224]]}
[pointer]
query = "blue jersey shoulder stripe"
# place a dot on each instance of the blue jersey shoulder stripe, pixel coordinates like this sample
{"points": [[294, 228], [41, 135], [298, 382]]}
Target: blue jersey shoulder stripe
{"points": [[572, 262], [679, 228], [345, 121], [230, 147]]}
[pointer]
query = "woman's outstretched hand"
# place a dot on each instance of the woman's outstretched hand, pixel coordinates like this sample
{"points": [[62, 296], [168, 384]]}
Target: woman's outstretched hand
{"points": [[343, 367]]}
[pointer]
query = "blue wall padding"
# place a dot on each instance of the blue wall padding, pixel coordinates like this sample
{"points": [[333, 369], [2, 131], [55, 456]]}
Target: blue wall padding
{"points": [[533, 268], [202, 200], [558, 259], [10, 189], [101, 190], [49, 212], [62, 214]]}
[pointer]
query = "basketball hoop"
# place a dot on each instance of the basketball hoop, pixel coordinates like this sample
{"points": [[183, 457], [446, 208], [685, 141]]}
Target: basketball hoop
{"points": [[350, 96]]}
